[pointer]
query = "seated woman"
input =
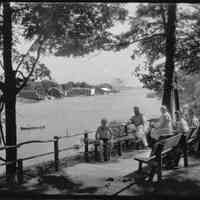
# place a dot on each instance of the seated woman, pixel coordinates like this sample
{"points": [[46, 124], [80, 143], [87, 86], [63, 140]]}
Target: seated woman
{"points": [[163, 128], [193, 121], [104, 134], [138, 121], [181, 124], [194, 124]]}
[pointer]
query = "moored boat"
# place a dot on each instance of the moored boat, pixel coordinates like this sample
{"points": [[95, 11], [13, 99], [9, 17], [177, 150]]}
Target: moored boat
{"points": [[32, 127]]}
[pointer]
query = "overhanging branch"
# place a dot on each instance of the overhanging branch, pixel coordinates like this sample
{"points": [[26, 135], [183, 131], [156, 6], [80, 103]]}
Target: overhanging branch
{"points": [[147, 37], [21, 74], [32, 70], [163, 17], [144, 37], [26, 54]]}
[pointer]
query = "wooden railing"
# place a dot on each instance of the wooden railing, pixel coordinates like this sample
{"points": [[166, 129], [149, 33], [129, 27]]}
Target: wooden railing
{"points": [[55, 152]]}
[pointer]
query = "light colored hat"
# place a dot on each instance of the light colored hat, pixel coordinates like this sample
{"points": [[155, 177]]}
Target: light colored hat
{"points": [[163, 107], [186, 106]]}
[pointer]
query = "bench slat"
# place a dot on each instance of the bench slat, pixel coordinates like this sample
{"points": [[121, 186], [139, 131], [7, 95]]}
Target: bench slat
{"points": [[145, 159], [123, 138], [171, 142], [168, 145]]}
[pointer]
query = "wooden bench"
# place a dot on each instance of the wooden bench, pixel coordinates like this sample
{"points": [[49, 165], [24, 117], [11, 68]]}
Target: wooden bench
{"points": [[122, 138], [98, 156], [159, 152], [192, 138]]}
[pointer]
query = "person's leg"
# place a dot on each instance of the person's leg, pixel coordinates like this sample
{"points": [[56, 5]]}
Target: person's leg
{"points": [[106, 150], [151, 141], [101, 151], [140, 135], [144, 140], [148, 138], [109, 149]]}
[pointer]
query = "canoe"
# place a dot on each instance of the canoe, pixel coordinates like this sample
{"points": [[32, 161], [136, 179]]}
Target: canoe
{"points": [[32, 127]]}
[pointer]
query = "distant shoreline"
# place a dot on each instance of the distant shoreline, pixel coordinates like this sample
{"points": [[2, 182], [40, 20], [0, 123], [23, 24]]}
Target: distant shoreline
{"points": [[27, 100]]}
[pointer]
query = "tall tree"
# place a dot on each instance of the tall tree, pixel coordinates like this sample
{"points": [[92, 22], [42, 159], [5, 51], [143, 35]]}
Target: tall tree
{"points": [[148, 33], [170, 53], [9, 92]]}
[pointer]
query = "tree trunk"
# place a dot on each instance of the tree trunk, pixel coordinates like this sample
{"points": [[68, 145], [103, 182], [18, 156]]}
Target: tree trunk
{"points": [[170, 51], [9, 94], [176, 95]]}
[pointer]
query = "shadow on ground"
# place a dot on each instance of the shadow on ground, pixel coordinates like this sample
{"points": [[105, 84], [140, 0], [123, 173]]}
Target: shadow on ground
{"points": [[181, 182]]}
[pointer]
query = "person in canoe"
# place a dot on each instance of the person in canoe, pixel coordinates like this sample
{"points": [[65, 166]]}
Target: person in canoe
{"points": [[104, 135]]}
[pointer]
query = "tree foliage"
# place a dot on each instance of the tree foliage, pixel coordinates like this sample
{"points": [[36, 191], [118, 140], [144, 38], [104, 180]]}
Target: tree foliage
{"points": [[148, 31], [61, 29], [72, 29]]}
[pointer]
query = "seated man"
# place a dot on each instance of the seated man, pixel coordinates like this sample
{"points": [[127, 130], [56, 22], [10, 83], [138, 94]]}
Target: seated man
{"points": [[104, 134], [138, 121]]}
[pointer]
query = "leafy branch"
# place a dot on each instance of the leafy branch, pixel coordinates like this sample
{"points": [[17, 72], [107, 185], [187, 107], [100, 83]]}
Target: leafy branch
{"points": [[32, 70], [26, 54]]}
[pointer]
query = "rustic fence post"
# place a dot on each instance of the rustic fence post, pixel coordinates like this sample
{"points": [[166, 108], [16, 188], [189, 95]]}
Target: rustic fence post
{"points": [[159, 160], [96, 151], [20, 173], [86, 153], [105, 150], [185, 151], [56, 153], [119, 148], [126, 144]]}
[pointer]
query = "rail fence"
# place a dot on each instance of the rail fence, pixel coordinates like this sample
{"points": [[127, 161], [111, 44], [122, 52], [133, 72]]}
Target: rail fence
{"points": [[55, 152], [55, 141]]}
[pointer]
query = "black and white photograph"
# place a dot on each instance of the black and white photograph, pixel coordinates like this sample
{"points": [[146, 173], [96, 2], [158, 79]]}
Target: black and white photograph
{"points": [[99, 100]]}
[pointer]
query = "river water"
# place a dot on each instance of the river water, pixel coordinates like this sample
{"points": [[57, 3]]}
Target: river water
{"points": [[76, 114]]}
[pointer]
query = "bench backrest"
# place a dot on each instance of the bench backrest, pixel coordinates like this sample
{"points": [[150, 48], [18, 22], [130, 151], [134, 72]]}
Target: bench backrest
{"points": [[195, 133], [189, 133], [171, 142], [153, 120], [166, 144]]}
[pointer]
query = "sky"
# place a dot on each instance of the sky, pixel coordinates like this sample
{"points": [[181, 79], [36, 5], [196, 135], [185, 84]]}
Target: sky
{"points": [[98, 67]]}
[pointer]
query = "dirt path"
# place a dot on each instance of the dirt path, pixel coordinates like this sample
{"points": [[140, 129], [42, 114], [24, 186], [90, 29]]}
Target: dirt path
{"points": [[110, 177]]}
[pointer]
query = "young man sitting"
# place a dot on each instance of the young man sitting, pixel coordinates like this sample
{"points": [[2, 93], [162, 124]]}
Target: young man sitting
{"points": [[104, 134]]}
